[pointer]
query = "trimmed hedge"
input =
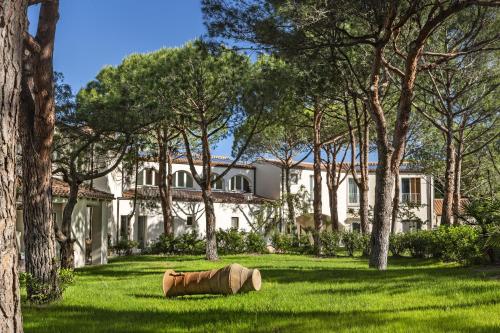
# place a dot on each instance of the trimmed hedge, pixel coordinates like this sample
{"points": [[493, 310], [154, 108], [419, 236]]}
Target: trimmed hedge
{"points": [[457, 243]]}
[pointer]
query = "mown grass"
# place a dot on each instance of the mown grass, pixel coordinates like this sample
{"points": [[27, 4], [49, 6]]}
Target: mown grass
{"points": [[299, 294]]}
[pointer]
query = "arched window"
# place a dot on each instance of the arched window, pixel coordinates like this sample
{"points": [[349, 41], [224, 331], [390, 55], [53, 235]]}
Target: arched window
{"points": [[148, 176], [218, 185], [183, 179], [240, 183]]}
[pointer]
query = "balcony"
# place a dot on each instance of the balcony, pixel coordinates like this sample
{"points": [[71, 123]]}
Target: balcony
{"points": [[411, 198]]}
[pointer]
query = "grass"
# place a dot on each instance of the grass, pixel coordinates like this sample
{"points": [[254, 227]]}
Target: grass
{"points": [[299, 294]]}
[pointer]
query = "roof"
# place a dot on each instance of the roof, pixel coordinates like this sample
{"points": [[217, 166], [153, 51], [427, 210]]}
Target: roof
{"points": [[372, 166], [217, 161], [196, 196], [438, 205], [61, 189]]}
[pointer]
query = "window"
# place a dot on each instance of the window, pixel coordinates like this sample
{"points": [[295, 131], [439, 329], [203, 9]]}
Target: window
{"points": [[189, 220], [311, 187], [294, 178], [410, 190], [90, 215], [411, 225], [356, 227], [240, 183], [235, 222], [183, 179], [218, 185], [141, 231], [124, 226], [353, 192], [149, 176]]}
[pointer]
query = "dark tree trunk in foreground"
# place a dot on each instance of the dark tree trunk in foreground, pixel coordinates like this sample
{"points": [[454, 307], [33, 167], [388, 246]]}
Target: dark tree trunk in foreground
{"points": [[37, 131], [13, 24], [165, 185], [317, 209]]}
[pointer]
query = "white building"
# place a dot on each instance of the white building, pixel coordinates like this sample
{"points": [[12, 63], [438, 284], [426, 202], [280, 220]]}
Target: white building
{"points": [[104, 211], [238, 197]]}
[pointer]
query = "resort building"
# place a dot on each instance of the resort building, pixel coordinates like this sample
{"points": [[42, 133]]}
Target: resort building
{"points": [[114, 207]]}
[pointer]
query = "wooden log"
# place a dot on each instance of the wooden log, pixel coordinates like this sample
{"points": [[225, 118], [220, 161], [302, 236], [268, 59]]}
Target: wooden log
{"points": [[229, 280]]}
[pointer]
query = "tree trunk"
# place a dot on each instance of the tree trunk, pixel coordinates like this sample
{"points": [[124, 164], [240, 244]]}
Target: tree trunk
{"points": [[211, 249], [447, 215], [36, 131], [382, 213], [13, 20], [164, 187], [66, 243], [334, 214], [317, 209], [457, 190], [289, 198], [395, 202], [363, 206]]}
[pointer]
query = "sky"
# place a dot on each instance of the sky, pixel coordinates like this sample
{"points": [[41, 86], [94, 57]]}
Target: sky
{"points": [[94, 33]]}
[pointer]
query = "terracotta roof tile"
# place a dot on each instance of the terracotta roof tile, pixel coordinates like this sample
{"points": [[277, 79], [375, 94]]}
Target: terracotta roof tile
{"points": [[61, 189], [195, 196], [438, 205]]}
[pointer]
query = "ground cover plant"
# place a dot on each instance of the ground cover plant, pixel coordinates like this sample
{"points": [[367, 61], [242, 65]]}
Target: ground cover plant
{"points": [[299, 294]]}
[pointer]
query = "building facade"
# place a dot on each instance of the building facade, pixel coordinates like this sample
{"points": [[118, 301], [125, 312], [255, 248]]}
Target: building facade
{"points": [[240, 195], [114, 207]]}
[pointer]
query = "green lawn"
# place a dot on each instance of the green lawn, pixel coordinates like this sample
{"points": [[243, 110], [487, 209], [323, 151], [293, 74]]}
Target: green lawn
{"points": [[299, 294]]}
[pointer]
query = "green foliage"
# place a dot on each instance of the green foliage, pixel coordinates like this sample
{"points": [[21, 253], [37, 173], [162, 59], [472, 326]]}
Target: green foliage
{"points": [[398, 244], [166, 244], [291, 243], [255, 243], [230, 241], [420, 243], [352, 241], [330, 241], [125, 247], [42, 293], [190, 243]]}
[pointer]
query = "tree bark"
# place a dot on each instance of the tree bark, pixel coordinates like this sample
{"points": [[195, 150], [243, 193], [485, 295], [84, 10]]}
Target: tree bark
{"points": [[317, 209], [457, 190], [13, 24], [37, 121], [164, 187], [449, 179], [395, 202], [289, 198], [66, 242]]}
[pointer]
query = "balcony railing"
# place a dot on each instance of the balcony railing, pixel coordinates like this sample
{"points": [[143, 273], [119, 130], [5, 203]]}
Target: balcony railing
{"points": [[414, 198]]}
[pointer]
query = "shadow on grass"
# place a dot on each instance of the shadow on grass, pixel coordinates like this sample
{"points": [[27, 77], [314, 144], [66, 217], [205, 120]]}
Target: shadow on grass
{"points": [[88, 319]]}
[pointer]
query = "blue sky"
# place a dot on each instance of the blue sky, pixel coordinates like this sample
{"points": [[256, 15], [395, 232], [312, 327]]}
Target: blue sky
{"points": [[95, 33]]}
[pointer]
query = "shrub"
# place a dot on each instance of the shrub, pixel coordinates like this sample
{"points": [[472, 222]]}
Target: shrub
{"points": [[364, 244], [125, 247], [230, 241], [397, 244], [165, 244], [190, 243], [282, 243], [458, 243], [420, 243], [255, 243], [351, 241], [330, 240], [301, 244]]}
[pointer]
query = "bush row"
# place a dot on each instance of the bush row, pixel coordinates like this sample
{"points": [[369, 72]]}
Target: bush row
{"points": [[459, 243], [229, 241]]}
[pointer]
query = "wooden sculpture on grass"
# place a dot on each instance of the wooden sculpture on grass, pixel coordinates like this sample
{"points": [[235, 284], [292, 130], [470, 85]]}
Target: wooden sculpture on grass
{"points": [[226, 281]]}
